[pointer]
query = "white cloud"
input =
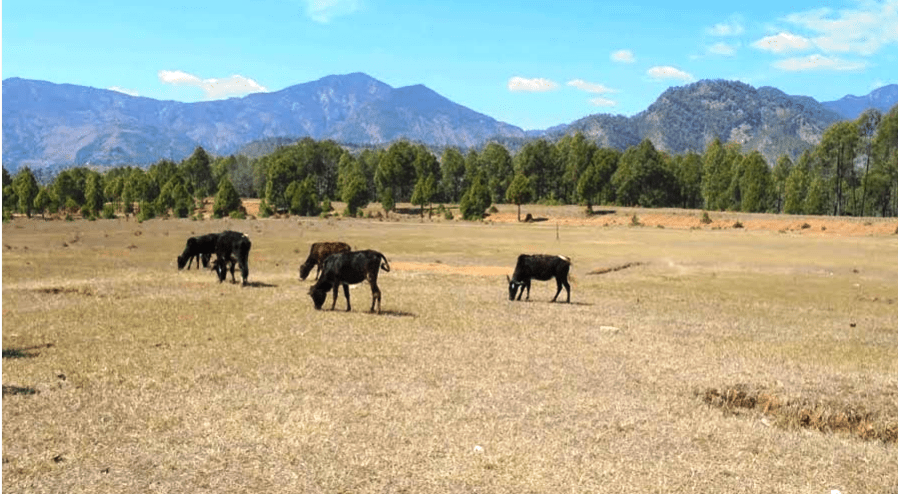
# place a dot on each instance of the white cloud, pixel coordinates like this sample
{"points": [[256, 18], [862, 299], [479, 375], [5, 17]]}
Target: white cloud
{"points": [[818, 62], [732, 27], [537, 85], [590, 87], [602, 102], [722, 49], [129, 92], [623, 56], [862, 31], [323, 11], [667, 72], [234, 85], [783, 42]]}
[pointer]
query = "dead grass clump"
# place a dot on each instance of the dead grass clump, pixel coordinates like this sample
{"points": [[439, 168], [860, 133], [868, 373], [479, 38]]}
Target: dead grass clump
{"points": [[738, 224], [57, 290], [706, 220], [852, 419], [805, 226]]}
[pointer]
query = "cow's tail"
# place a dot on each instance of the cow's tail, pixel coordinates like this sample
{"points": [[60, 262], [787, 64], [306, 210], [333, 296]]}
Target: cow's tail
{"points": [[386, 265]]}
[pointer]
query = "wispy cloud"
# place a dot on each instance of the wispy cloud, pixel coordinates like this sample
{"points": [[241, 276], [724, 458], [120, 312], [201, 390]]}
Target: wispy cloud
{"points": [[537, 85], [668, 72], [818, 62], [722, 49], [234, 85], [862, 31], [323, 11], [590, 87], [602, 102], [623, 56], [730, 27], [129, 92], [783, 42]]}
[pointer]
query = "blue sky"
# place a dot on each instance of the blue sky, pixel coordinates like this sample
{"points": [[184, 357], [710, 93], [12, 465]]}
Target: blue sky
{"points": [[531, 64]]}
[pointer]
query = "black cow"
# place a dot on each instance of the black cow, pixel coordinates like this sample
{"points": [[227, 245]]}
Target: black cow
{"points": [[317, 254], [349, 268], [541, 267], [232, 248], [200, 248]]}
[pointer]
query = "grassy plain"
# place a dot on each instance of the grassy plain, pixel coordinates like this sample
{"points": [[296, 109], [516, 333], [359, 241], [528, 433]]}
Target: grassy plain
{"points": [[721, 360]]}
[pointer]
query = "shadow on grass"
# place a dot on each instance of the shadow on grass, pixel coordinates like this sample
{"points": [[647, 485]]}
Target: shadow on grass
{"points": [[24, 352], [17, 390], [602, 212], [259, 284], [549, 302], [394, 313], [530, 219]]}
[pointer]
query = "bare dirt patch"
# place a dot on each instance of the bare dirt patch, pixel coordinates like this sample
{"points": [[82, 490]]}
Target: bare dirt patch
{"points": [[434, 267]]}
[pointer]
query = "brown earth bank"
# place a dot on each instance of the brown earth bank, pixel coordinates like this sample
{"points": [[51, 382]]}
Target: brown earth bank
{"points": [[683, 219]]}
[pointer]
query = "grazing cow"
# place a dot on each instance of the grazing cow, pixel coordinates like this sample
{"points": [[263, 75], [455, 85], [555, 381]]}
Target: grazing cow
{"points": [[232, 248], [349, 268], [541, 267], [200, 248], [317, 254]]}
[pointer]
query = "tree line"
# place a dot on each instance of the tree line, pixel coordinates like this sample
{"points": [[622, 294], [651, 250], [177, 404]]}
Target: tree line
{"points": [[852, 171]]}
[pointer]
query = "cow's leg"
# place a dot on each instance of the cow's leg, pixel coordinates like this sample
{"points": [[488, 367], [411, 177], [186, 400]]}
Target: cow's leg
{"points": [[233, 264], [521, 293], [346, 292], [334, 302], [318, 271], [375, 297], [567, 287], [527, 284]]}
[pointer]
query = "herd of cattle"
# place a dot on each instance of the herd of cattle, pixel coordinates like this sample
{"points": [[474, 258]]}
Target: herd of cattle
{"points": [[339, 265]]}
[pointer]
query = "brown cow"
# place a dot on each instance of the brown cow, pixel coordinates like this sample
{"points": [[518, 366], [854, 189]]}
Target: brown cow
{"points": [[318, 253]]}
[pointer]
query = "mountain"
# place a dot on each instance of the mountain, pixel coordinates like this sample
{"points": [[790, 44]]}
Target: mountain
{"points": [[688, 118], [46, 124], [851, 107]]}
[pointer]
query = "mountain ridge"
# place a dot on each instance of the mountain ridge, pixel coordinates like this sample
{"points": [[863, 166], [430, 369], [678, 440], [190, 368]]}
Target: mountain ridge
{"points": [[58, 125]]}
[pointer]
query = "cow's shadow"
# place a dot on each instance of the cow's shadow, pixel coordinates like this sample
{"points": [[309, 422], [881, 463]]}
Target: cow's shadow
{"points": [[24, 352], [394, 313], [549, 302], [259, 284]]}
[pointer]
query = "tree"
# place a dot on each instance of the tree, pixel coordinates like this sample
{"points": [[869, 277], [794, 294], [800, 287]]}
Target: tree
{"points": [[520, 191], [816, 199], [452, 169], [42, 201], [642, 179], [396, 172], [688, 170], [304, 199], [499, 168], [796, 188], [26, 189], [575, 155], [836, 153], [93, 194], [227, 200], [425, 189], [538, 160], [780, 176], [197, 171], [354, 190], [867, 125], [716, 176], [755, 184], [476, 199]]}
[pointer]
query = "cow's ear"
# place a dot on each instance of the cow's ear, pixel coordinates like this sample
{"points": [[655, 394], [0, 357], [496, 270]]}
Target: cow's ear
{"points": [[507, 278]]}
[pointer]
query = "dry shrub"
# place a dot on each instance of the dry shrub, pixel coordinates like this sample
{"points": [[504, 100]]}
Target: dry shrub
{"points": [[835, 417]]}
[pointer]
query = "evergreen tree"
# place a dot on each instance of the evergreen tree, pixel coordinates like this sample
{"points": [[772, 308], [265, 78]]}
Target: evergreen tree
{"points": [[642, 179], [499, 168], [93, 194], [197, 171], [755, 184], [425, 189], [226, 200], [452, 169], [780, 176], [354, 190], [26, 189], [304, 200], [716, 176], [520, 191], [476, 199], [42, 201]]}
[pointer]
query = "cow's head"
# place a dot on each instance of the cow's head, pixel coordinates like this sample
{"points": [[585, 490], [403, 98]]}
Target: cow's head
{"points": [[305, 269], [221, 269], [318, 296], [182, 261], [512, 287]]}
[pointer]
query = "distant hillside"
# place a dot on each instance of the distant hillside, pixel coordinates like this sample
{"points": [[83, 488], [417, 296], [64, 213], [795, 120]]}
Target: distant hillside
{"points": [[687, 118], [47, 124], [851, 107]]}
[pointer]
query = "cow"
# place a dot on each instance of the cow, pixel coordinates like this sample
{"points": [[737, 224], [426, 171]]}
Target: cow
{"points": [[317, 254], [541, 267], [232, 248], [199, 248], [349, 268]]}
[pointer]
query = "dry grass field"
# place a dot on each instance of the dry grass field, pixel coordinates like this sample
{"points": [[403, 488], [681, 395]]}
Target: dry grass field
{"points": [[694, 357]]}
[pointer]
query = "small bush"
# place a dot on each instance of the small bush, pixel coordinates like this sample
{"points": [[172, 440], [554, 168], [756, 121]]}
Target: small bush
{"points": [[493, 210], [237, 215], [805, 226], [326, 205], [265, 209], [706, 220], [634, 220], [7, 217], [108, 212], [449, 216], [737, 224], [68, 217]]}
